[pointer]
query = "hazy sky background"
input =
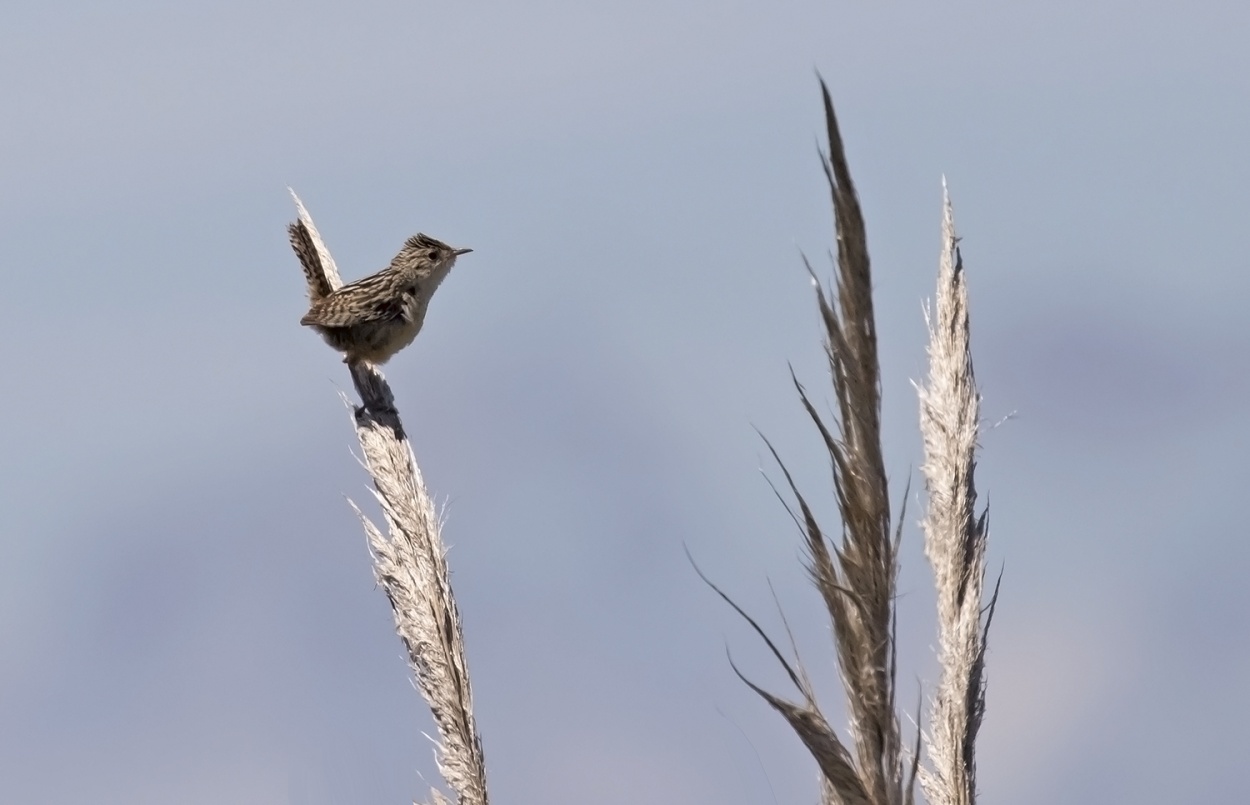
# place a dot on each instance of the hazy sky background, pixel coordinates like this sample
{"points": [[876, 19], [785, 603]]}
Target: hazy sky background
{"points": [[187, 611]]}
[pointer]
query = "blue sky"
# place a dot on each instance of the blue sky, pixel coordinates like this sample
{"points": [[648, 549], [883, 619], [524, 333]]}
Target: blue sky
{"points": [[187, 611]]}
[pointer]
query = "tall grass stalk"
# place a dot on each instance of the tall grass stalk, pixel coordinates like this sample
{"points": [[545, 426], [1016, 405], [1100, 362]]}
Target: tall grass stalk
{"points": [[410, 559], [857, 574], [955, 536]]}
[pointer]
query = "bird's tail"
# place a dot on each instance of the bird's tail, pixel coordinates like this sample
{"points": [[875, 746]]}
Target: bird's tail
{"points": [[319, 285]]}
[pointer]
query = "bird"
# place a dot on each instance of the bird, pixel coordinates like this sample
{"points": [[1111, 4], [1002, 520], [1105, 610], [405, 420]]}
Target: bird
{"points": [[373, 318]]}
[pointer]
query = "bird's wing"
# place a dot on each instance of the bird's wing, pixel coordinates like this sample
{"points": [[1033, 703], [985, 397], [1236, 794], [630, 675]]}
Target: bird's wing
{"points": [[353, 304]]}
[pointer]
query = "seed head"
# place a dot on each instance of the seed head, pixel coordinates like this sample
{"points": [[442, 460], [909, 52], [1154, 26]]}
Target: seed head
{"points": [[373, 318]]}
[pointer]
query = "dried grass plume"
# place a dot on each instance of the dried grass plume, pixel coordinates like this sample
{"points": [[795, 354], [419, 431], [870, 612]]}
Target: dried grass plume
{"points": [[955, 536], [856, 575]]}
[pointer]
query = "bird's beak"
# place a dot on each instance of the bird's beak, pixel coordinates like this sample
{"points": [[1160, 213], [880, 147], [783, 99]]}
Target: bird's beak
{"points": [[462, 251]]}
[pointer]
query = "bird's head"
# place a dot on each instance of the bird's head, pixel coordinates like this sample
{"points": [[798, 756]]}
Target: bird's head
{"points": [[426, 258]]}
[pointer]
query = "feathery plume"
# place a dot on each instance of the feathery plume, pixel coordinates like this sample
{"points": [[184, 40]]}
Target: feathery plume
{"points": [[855, 576], [955, 536]]}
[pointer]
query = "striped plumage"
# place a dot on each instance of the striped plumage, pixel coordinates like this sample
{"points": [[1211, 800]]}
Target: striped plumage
{"points": [[373, 318]]}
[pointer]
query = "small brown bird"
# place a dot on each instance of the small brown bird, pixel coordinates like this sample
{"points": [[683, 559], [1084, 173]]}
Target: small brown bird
{"points": [[373, 318]]}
